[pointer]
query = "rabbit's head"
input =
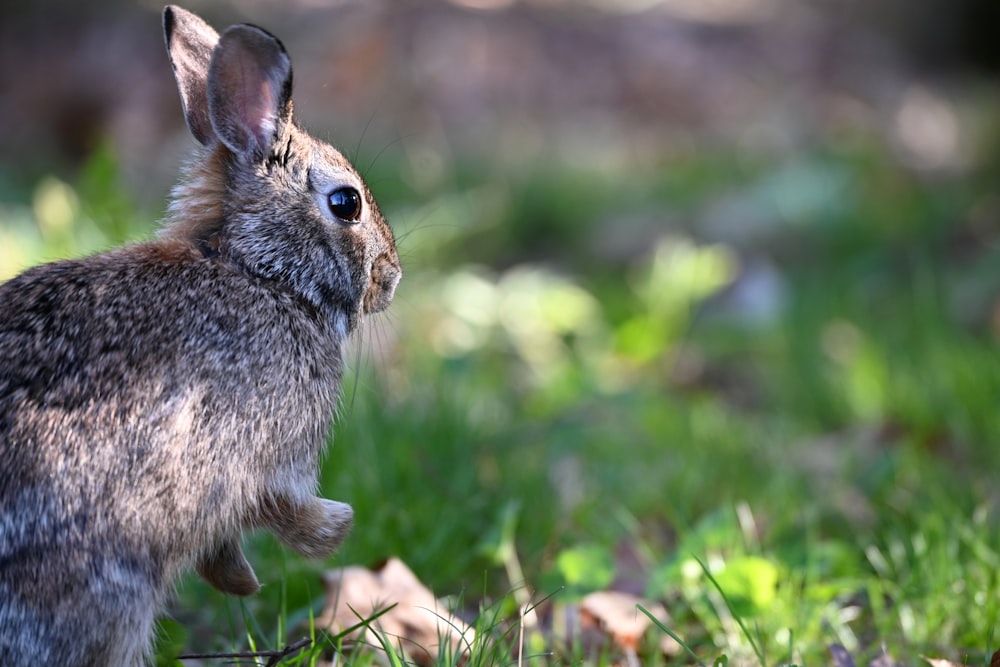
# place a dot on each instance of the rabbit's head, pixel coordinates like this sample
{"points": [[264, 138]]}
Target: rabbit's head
{"points": [[264, 195]]}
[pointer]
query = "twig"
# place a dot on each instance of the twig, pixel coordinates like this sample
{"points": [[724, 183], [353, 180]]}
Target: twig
{"points": [[274, 656]]}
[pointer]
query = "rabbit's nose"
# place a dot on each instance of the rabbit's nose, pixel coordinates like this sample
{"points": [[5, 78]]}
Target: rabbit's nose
{"points": [[385, 276]]}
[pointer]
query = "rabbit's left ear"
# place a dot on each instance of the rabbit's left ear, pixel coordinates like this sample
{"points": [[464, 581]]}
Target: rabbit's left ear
{"points": [[190, 43], [249, 90]]}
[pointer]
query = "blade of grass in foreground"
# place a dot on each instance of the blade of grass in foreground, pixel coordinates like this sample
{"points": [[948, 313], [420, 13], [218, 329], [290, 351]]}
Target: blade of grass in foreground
{"points": [[673, 634], [758, 649]]}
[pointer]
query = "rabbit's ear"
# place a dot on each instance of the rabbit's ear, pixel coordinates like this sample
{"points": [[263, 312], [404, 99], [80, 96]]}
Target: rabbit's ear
{"points": [[249, 90], [190, 42]]}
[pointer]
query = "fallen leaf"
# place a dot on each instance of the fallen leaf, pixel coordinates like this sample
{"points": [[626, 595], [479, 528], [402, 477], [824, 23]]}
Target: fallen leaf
{"points": [[940, 662], [417, 624], [617, 614]]}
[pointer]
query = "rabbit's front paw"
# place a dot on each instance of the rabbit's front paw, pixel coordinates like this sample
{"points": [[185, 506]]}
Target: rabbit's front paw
{"points": [[227, 569], [316, 528]]}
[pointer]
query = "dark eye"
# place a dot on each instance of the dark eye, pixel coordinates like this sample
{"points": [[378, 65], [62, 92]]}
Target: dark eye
{"points": [[345, 203]]}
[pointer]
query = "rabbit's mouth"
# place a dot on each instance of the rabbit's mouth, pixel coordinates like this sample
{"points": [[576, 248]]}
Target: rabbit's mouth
{"points": [[385, 275]]}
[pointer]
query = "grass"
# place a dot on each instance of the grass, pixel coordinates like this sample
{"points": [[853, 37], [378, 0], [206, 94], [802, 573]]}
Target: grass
{"points": [[783, 477]]}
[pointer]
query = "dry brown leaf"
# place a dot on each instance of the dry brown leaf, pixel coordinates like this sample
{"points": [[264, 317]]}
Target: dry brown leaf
{"points": [[940, 662], [417, 624], [617, 614]]}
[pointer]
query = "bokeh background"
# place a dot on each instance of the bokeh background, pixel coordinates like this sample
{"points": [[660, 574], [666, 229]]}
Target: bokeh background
{"points": [[710, 279]]}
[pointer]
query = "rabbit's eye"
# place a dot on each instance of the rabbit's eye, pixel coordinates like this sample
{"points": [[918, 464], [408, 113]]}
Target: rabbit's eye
{"points": [[345, 203]]}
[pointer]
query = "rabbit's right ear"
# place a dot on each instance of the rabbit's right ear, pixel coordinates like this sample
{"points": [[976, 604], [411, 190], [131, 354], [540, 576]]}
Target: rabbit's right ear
{"points": [[190, 43]]}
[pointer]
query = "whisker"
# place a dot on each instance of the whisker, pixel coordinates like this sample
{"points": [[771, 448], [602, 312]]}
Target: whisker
{"points": [[381, 338], [364, 131], [359, 362], [397, 140]]}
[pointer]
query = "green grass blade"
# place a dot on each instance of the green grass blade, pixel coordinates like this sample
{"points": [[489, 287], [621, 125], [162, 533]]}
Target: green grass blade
{"points": [[754, 643], [672, 634]]}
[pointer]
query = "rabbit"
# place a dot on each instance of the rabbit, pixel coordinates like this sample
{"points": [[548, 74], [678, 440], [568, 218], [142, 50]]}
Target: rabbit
{"points": [[159, 399]]}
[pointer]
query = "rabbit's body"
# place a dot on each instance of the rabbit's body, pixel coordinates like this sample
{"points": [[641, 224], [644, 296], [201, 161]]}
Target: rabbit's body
{"points": [[159, 399], [156, 459]]}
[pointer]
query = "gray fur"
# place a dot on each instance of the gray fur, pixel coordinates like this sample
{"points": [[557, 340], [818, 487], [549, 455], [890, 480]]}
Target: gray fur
{"points": [[159, 399]]}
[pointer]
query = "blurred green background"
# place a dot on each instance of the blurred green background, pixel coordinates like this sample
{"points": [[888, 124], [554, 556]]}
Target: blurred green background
{"points": [[684, 279]]}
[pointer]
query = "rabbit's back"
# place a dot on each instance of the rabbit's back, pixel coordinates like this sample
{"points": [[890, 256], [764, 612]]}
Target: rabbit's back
{"points": [[151, 320]]}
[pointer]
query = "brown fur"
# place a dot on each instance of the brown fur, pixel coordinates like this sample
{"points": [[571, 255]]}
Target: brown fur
{"points": [[195, 210], [159, 399]]}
